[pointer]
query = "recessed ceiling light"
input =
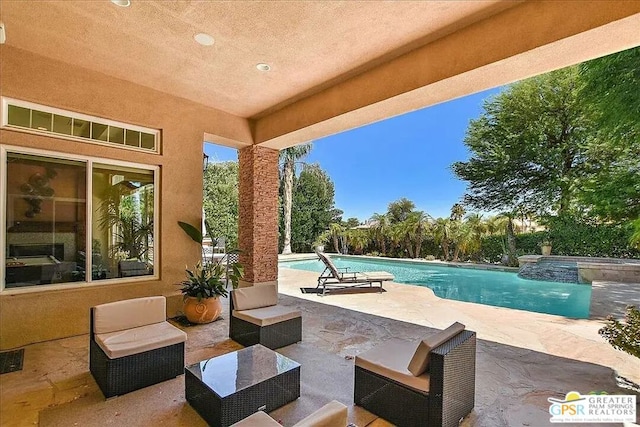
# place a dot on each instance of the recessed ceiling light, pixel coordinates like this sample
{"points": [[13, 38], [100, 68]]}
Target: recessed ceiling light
{"points": [[123, 3], [204, 39], [263, 67]]}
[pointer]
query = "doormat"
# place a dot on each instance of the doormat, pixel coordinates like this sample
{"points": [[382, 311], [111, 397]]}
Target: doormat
{"points": [[11, 361], [343, 291]]}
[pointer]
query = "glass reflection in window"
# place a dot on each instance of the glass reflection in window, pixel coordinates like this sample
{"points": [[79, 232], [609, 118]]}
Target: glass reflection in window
{"points": [[46, 217], [122, 222]]}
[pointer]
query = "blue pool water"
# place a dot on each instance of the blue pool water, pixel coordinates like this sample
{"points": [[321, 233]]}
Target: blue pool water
{"points": [[496, 288]]}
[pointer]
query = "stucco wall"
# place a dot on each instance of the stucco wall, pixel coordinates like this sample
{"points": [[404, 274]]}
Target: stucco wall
{"points": [[34, 315]]}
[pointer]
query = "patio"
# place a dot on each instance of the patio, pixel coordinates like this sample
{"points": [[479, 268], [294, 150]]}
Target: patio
{"points": [[522, 359]]}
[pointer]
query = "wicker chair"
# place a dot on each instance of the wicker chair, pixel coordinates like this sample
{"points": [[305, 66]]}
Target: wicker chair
{"points": [[131, 345], [386, 383], [256, 318]]}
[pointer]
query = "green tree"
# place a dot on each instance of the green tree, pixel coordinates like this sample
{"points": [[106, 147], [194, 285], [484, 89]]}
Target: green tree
{"points": [[612, 88], [462, 237], [288, 158], [336, 231], [416, 225], [380, 231], [399, 210], [457, 212], [528, 148], [313, 206], [352, 222], [478, 229], [358, 239], [221, 201], [442, 232]]}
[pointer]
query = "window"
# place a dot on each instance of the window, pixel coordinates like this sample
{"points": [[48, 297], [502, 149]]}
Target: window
{"points": [[58, 209], [46, 217], [24, 115], [122, 244]]}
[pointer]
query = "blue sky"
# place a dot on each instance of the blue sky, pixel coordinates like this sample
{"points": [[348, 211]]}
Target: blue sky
{"points": [[404, 156]]}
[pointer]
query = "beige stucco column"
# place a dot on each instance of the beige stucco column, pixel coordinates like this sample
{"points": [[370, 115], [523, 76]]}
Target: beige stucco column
{"points": [[258, 216]]}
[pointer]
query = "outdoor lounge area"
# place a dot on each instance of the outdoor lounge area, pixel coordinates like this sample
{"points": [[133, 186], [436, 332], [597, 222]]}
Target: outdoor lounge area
{"points": [[522, 359], [105, 108]]}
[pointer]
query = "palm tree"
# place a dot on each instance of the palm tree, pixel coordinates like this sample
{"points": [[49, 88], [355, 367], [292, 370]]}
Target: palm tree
{"points": [[417, 223], [442, 234], [336, 231], [396, 235], [511, 238], [478, 229], [457, 212], [399, 210], [288, 158], [359, 239], [496, 225], [379, 231]]}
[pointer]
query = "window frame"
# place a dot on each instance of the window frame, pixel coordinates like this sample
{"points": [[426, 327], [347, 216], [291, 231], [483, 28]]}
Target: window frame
{"points": [[88, 161], [4, 124]]}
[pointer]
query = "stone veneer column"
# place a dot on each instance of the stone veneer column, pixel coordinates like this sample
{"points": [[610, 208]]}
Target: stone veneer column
{"points": [[258, 214]]}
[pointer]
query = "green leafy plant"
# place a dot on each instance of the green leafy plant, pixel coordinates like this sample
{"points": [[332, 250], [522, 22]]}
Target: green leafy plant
{"points": [[625, 335], [208, 280]]}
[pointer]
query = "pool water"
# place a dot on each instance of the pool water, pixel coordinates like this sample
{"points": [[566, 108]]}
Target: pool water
{"points": [[497, 288]]}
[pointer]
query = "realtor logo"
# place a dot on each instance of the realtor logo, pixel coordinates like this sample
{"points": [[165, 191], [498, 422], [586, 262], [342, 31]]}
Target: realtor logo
{"points": [[577, 408]]}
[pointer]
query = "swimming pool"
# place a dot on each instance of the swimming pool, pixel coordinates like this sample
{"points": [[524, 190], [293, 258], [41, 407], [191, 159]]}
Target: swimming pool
{"points": [[497, 288]]}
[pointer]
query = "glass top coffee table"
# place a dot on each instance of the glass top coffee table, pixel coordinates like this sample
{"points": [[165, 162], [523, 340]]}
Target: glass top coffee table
{"points": [[228, 388]]}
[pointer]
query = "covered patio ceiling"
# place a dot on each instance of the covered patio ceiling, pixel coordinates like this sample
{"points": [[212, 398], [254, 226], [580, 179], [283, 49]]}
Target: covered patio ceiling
{"points": [[334, 65]]}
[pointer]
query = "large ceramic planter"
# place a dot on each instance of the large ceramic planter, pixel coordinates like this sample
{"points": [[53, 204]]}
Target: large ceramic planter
{"points": [[546, 250], [204, 311]]}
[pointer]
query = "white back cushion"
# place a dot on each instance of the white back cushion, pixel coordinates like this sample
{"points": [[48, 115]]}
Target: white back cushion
{"points": [[420, 360], [127, 314], [254, 297]]}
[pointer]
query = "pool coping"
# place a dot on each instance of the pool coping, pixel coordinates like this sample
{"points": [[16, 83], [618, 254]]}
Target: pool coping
{"points": [[422, 261]]}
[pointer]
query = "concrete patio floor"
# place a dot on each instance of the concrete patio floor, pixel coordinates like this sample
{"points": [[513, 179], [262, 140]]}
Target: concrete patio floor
{"points": [[522, 359]]}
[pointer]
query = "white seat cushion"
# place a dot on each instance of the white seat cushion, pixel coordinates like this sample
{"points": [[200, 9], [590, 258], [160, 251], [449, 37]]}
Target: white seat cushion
{"points": [[266, 316], [138, 340], [254, 297], [378, 275], [258, 419], [130, 313], [333, 414], [390, 359], [419, 363]]}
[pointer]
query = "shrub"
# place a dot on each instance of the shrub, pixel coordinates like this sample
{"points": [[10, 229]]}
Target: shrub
{"points": [[430, 258], [624, 336], [569, 236]]}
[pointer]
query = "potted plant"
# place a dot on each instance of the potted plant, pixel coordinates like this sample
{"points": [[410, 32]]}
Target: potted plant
{"points": [[206, 283], [204, 286], [545, 247]]}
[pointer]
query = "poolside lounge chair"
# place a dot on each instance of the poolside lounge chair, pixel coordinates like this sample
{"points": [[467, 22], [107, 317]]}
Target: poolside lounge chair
{"points": [[333, 277], [435, 378]]}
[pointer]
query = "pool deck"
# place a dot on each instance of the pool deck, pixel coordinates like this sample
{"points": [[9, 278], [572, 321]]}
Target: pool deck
{"points": [[576, 339], [522, 359]]}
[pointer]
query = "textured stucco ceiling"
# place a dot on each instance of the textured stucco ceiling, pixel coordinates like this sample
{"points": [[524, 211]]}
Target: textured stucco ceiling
{"points": [[310, 45]]}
